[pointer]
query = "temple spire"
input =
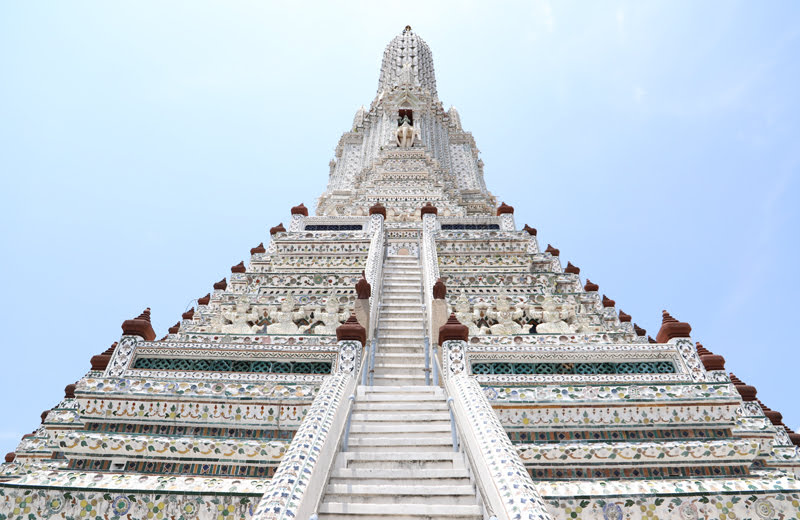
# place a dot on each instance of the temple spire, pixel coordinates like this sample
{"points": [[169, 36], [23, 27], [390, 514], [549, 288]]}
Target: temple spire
{"points": [[407, 60]]}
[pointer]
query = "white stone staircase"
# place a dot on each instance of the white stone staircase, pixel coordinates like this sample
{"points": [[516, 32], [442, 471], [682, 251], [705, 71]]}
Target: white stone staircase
{"points": [[400, 461]]}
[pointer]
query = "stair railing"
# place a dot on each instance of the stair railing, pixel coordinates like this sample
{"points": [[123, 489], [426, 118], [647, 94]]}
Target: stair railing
{"points": [[350, 407], [493, 461]]}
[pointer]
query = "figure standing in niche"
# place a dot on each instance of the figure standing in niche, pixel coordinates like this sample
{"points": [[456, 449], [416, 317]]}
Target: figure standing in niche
{"points": [[467, 316], [506, 316], [283, 319], [552, 318], [330, 318], [406, 133], [242, 318]]}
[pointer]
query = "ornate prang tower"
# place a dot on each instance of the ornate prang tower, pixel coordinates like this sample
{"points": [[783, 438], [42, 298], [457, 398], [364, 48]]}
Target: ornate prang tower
{"points": [[407, 352]]}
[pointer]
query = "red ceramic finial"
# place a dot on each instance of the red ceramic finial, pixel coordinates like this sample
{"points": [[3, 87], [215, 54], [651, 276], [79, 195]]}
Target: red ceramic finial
{"points": [[139, 326], [300, 210], [439, 290], [175, 328], [710, 360], [351, 330], [363, 289], [571, 269], [258, 249], [639, 331], [428, 208], [188, 315], [552, 250], [531, 231], [239, 268], [378, 209], [277, 229], [504, 209], [672, 328], [453, 330], [100, 361], [204, 300], [221, 285], [590, 287], [69, 391], [10, 456], [624, 318], [747, 392], [608, 302]]}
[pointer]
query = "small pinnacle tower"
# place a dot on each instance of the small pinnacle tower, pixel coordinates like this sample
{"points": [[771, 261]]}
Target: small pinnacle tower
{"points": [[406, 352]]}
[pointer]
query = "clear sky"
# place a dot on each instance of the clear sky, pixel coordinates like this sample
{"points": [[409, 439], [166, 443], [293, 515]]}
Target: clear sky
{"points": [[146, 146]]}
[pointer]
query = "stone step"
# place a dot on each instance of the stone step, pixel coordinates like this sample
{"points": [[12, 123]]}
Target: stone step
{"points": [[403, 475], [419, 389], [342, 511], [398, 398], [400, 443], [401, 341], [401, 349], [403, 495], [429, 406], [407, 417], [408, 448], [396, 370], [388, 459], [384, 356], [399, 380], [379, 489]]}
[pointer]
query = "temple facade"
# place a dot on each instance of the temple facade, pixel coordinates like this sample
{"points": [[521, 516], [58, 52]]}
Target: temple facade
{"points": [[407, 352]]}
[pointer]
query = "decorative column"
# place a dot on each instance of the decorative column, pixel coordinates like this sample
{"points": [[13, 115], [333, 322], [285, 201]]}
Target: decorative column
{"points": [[298, 215], [438, 309], [361, 307], [135, 331], [506, 214]]}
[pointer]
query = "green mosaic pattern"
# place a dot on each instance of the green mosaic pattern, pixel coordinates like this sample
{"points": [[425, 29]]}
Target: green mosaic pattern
{"points": [[503, 368], [234, 365]]}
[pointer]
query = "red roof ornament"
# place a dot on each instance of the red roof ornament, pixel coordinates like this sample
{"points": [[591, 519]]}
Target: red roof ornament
{"points": [[175, 328], [571, 269], [69, 391], [590, 287], [351, 330], [428, 208], [453, 330], [100, 361], [624, 318], [531, 231], [239, 268], [793, 437], [277, 229], [378, 209], [608, 302], [258, 249], [363, 289], [774, 416], [10, 456], [139, 326], [638, 330], [710, 360], [221, 285], [204, 300], [504, 209], [188, 315], [300, 210], [672, 328], [439, 290], [747, 392], [552, 250]]}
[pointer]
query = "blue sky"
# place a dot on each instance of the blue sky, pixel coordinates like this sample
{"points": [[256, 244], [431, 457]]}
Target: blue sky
{"points": [[146, 146]]}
